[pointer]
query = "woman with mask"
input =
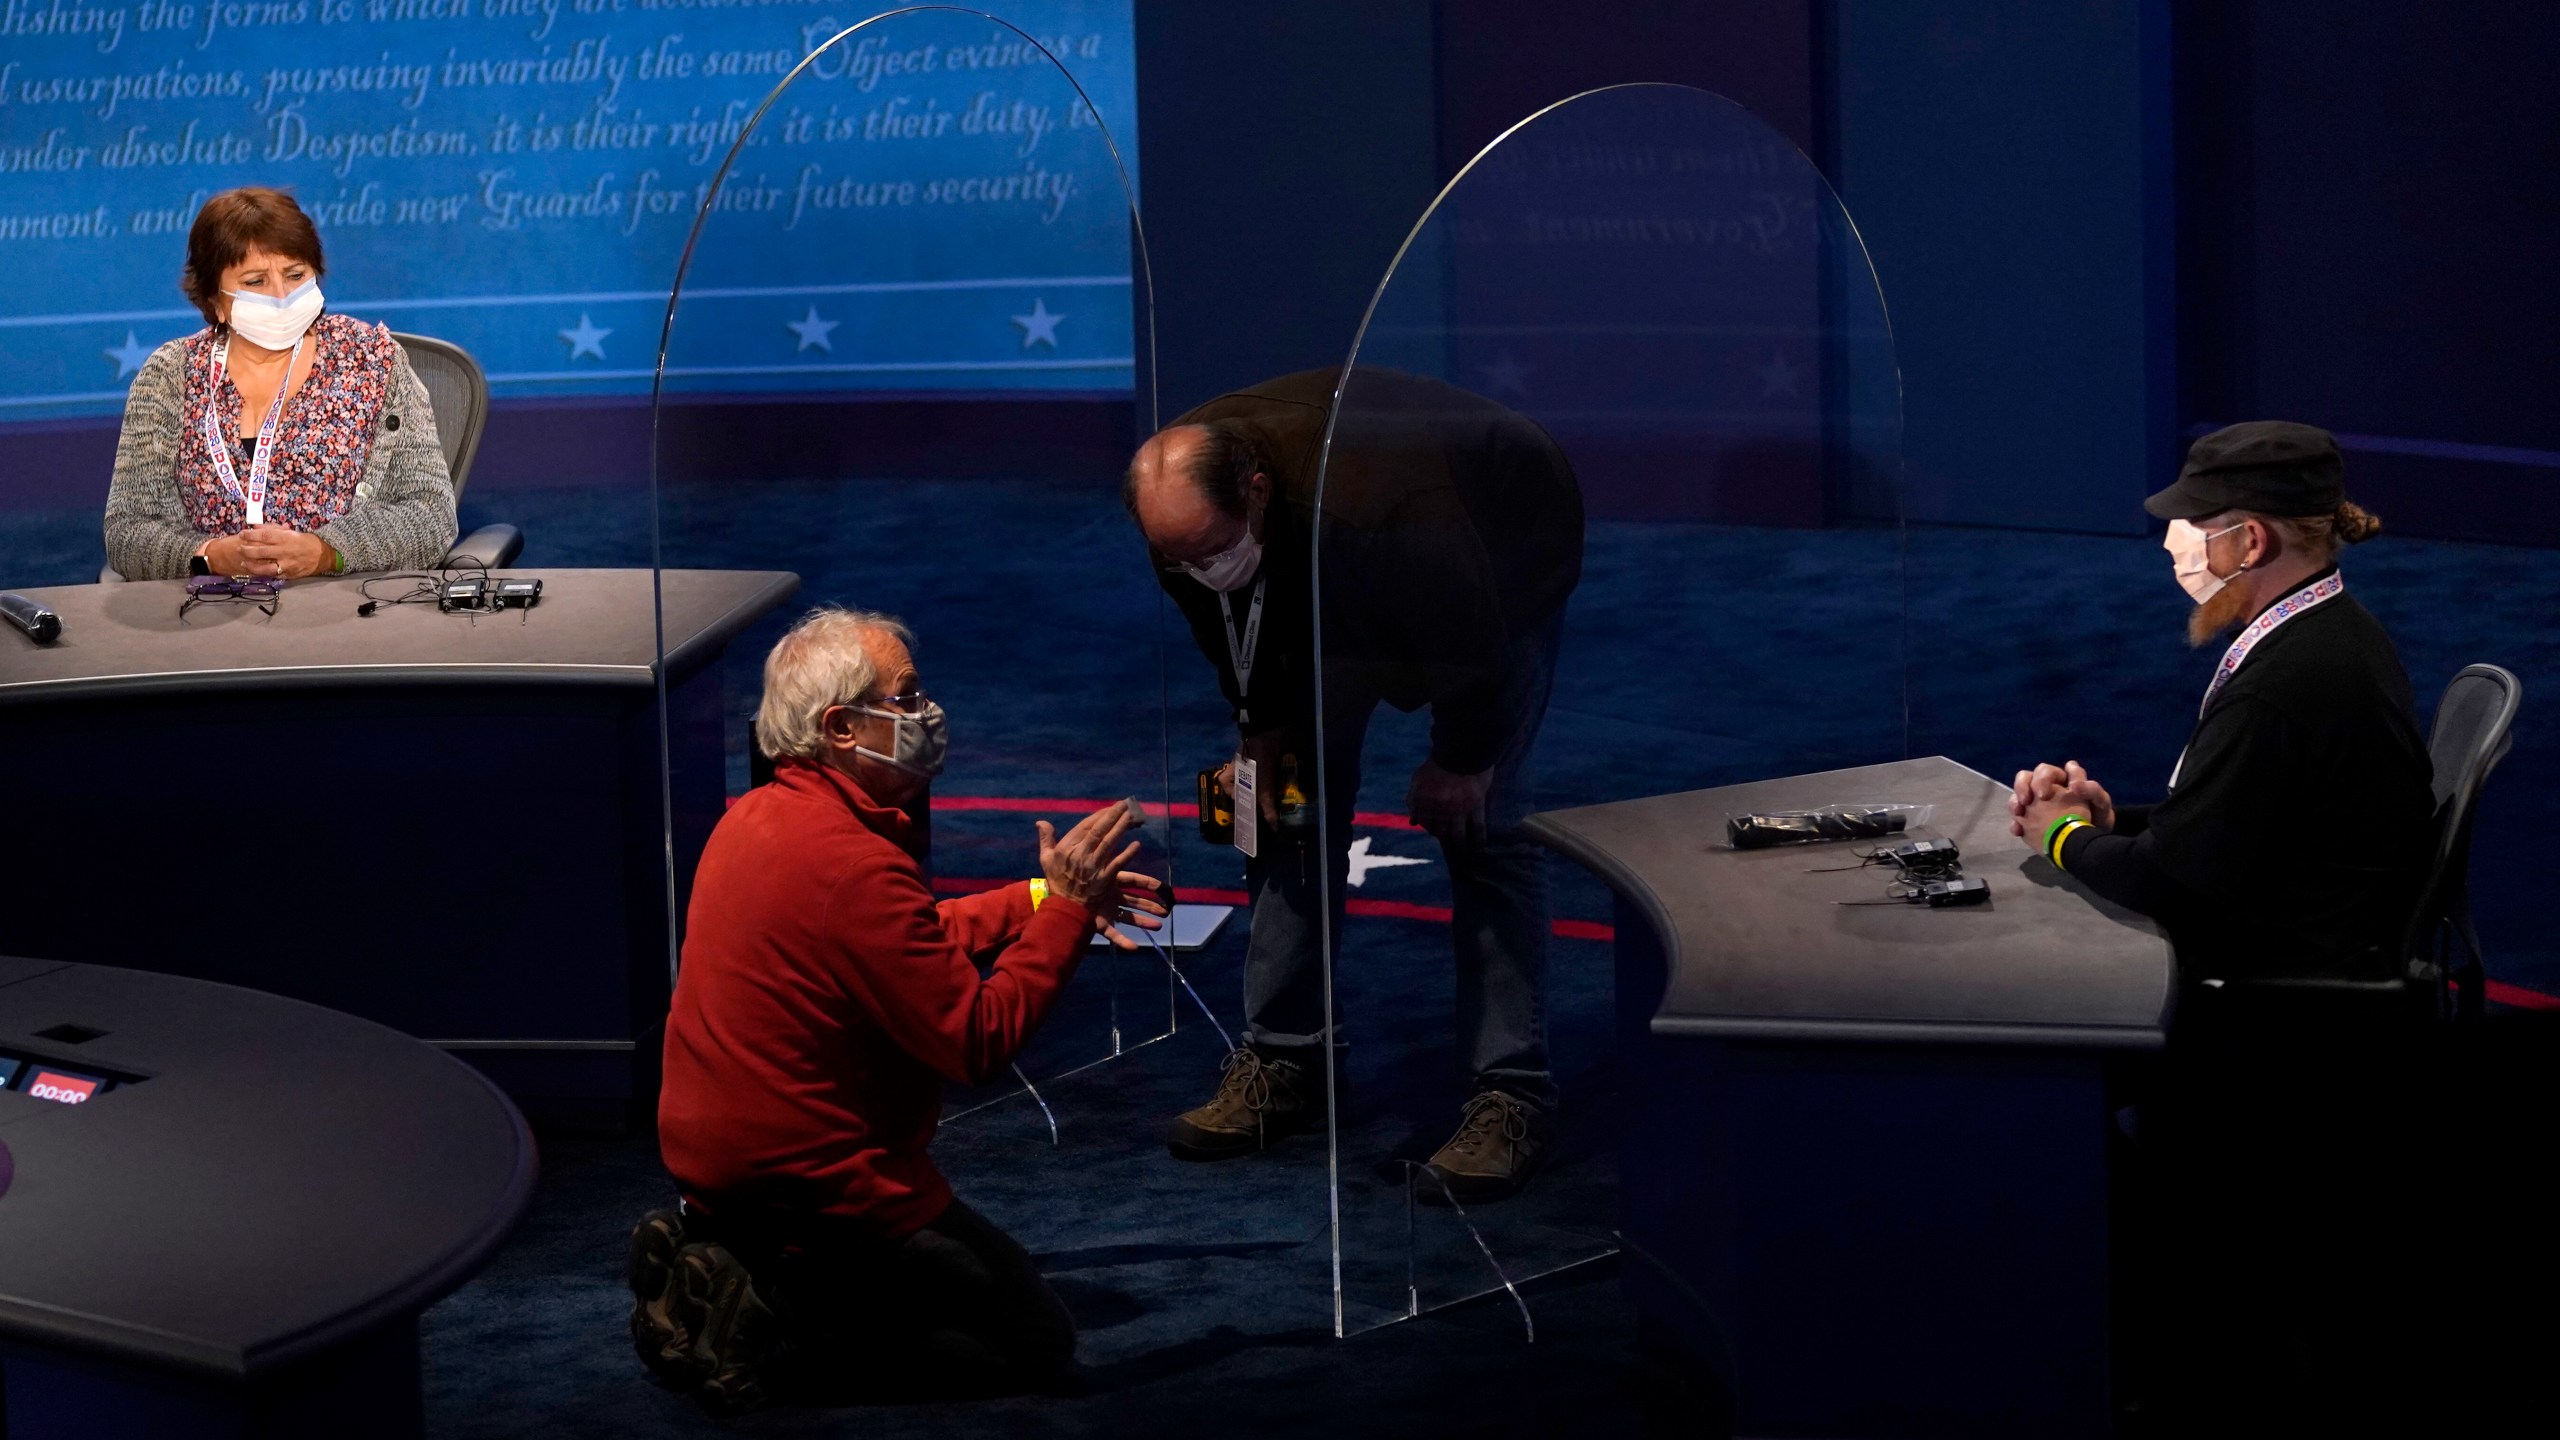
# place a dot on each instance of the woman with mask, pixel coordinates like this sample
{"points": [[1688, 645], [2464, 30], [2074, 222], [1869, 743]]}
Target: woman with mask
{"points": [[279, 440]]}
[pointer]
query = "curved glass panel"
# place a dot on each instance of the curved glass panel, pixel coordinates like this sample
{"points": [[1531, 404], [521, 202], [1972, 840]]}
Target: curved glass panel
{"points": [[1608, 508], [897, 375]]}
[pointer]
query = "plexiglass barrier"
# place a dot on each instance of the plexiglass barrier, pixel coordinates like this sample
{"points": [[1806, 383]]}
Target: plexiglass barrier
{"points": [[1631, 345], [922, 232]]}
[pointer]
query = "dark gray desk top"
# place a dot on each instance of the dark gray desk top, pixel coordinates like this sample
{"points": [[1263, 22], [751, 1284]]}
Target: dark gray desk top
{"points": [[289, 1178], [593, 627], [1755, 947]]}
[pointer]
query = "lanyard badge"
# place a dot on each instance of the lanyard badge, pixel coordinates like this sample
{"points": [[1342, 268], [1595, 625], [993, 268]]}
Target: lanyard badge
{"points": [[2319, 592], [253, 497], [1241, 653]]}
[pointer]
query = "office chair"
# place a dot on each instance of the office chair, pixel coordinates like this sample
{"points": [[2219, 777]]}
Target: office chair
{"points": [[2469, 738], [459, 394]]}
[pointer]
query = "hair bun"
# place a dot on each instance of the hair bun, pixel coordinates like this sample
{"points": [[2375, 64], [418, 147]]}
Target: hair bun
{"points": [[2354, 523]]}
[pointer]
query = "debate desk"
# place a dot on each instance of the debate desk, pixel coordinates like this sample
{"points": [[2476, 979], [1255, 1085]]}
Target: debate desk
{"points": [[1867, 1173], [447, 823], [222, 1212]]}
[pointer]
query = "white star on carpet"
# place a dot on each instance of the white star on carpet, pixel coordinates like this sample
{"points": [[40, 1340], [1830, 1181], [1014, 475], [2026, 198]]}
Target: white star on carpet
{"points": [[1039, 327], [1777, 378], [1362, 862], [587, 339], [128, 356], [1505, 374], [812, 332]]}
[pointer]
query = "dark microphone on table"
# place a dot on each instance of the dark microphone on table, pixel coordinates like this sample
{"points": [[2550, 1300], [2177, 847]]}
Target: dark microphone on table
{"points": [[41, 625]]}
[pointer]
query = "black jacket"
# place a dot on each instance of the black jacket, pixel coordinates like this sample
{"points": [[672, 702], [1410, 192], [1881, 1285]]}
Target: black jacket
{"points": [[1451, 526], [2302, 824]]}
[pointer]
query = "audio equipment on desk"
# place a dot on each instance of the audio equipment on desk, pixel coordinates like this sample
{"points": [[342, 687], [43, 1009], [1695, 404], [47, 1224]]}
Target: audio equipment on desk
{"points": [[42, 625], [1764, 828], [479, 593]]}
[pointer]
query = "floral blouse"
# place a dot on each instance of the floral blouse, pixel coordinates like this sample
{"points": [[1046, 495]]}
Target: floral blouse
{"points": [[325, 434]]}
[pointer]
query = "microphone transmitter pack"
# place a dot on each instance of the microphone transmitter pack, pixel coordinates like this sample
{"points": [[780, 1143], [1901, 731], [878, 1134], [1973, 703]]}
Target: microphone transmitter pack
{"points": [[1941, 894], [481, 594]]}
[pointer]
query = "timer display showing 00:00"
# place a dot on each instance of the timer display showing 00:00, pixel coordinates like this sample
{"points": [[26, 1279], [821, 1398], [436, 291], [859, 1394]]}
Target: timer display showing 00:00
{"points": [[60, 1088]]}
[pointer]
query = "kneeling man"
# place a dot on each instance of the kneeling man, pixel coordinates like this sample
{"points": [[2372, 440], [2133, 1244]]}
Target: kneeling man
{"points": [[825, 999]]}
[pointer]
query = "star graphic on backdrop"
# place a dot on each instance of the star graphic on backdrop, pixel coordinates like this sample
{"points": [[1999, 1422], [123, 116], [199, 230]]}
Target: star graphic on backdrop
{"points": [[587, 339], [812, 332], [128, 356], [1506, 373], [1362, 862], [1777, 378], [1039, 327]]}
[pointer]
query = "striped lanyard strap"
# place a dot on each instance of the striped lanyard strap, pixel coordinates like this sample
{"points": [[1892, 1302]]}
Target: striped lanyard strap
{"points": [[253, 497], [2317, 593]]}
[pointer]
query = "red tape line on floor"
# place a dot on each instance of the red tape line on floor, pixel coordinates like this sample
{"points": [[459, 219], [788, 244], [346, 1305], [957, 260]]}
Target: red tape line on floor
{"points": [[1183, 810], [2498, 992], [1374, 909]]}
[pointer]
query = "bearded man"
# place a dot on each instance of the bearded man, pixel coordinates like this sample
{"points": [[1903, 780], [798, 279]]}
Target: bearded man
{"points": [[2273, 1144], [2298, 825]]}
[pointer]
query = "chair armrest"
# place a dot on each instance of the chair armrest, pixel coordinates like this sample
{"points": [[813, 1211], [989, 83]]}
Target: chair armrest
{"points": [[490, 545]]}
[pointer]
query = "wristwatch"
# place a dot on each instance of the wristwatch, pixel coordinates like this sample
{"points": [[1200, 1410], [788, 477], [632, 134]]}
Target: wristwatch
{"points": [[198, 565]]}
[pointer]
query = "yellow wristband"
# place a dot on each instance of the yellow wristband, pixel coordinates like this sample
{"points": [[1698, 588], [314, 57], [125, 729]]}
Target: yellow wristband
{"points": [[2062, 831], [1039, 892]]}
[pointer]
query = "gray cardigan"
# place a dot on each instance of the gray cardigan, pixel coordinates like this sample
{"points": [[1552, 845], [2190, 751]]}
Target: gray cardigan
{"points": [[402, 517]]}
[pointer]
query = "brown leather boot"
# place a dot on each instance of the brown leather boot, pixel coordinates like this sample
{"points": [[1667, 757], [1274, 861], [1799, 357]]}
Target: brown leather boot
{"points": [[1260, 1101], [1500, 1143]]}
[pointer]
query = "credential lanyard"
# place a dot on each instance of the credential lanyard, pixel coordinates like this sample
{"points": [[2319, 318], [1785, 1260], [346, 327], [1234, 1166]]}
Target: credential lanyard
{"points": [[253, 499], [1241, 653], [2317, 593]]}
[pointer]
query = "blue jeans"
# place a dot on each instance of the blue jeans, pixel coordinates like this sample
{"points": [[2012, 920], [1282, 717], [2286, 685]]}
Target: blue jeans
{"points": [[1498, 889]]}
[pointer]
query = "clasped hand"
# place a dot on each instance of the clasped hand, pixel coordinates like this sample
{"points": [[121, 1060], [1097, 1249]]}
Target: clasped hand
{"points": [[267, 550], [2045, 794], [1081, 866]]}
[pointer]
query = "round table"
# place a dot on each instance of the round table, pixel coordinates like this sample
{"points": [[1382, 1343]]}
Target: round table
{"points": [[236, 1234]]}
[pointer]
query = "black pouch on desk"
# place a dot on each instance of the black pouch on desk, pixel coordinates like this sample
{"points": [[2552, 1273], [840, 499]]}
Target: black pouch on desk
{"points": [[1795, 827]]}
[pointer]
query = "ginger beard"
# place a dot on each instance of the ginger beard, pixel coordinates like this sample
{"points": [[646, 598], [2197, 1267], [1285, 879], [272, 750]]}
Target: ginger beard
{"points": [[2220, 611]]}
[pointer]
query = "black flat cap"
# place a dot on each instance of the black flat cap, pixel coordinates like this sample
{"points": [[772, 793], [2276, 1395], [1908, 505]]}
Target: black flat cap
{"points": [[2274, 467]]}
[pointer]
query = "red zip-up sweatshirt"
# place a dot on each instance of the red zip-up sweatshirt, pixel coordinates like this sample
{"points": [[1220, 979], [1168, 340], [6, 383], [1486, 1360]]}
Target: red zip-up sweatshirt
{"points": [[825, 999]]}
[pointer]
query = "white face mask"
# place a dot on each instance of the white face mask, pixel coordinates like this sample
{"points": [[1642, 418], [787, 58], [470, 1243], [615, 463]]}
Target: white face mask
{"points": [[271, 322], [2186, 546], [1230, 569]]}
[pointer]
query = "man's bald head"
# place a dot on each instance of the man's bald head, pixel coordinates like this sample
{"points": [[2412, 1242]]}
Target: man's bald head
{"points": [[1195, 488]]}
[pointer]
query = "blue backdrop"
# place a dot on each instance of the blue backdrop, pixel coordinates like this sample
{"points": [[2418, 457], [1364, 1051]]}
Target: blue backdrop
{"points": [[927, 210]]}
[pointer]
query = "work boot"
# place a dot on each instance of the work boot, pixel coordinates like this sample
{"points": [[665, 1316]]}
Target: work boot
{"points": [[657, 1331], [1500, 1141], [738, 1347], [1260, 1101]]}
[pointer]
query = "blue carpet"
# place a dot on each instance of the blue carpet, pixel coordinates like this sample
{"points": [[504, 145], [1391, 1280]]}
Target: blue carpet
{"points": [[1695, 655]]}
